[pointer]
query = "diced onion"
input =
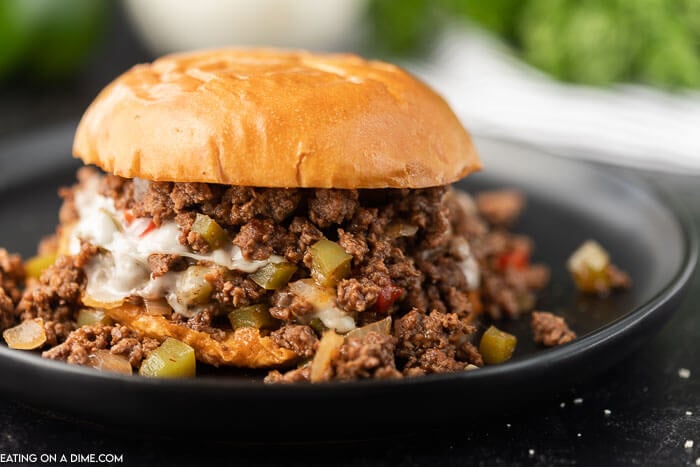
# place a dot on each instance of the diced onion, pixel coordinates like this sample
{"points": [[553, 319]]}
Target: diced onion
{"points": [[588, 257], [91, 302], [92, 316], [313, 293], [192, 286], [325, 307], [588, 266], [401, 229], [328, 348], [158, 307], [382, 326], [105, 360], [29, 335]]}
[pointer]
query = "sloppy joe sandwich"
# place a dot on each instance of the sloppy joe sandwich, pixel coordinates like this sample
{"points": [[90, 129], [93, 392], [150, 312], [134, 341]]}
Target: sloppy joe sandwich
{"points": [[278, 210]]}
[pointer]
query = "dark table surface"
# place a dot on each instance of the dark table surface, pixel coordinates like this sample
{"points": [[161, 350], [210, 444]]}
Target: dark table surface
{"points": [[641, 412]]}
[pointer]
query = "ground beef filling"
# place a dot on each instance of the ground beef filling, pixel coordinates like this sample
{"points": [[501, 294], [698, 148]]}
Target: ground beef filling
{"points": [[550, 330], [56, 298], [427, 258], [119, 340], [12, 277]]}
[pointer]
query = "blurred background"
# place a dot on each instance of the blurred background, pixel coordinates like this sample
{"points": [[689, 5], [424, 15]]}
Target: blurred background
{"points": [[613, 80]]}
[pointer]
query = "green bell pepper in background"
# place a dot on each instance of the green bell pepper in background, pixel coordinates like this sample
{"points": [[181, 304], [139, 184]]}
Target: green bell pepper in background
{"points": [[596, 42], [601, 42], [402, 27], [48, 39]]}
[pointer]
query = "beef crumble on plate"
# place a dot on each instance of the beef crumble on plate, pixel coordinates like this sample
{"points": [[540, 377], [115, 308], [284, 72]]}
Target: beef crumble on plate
{"points": [[279, 210], [414, 268]]}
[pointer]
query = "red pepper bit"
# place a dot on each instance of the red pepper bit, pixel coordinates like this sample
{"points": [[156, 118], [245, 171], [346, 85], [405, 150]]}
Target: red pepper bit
{"points": [[151, 226], [516, 259], [387, 296], [128, 216]]}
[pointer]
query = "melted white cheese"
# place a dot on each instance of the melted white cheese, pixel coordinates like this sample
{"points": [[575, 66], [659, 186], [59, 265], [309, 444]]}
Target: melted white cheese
{"points": [[125, 272], [334, 318], [325, 307], [468, 264]]}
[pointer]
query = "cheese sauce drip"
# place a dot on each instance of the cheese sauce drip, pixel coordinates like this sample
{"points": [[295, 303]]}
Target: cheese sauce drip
{"points": [[124, 271]]}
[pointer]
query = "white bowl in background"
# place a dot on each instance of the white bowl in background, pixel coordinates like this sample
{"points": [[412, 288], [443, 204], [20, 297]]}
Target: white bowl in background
{"points": [[174, 25]]}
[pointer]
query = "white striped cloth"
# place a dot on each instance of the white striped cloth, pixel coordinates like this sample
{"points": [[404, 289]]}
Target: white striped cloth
{"points": [[497, 95]]}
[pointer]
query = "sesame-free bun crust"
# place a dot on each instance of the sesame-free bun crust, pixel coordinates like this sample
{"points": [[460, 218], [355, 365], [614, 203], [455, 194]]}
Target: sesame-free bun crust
{"points": [[272, 118]]}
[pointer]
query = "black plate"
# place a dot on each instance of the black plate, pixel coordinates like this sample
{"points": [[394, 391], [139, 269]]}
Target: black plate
{"points": [[568, 202]]}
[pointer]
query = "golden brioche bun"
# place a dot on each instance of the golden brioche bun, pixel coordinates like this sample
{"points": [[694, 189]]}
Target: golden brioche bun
{"points": [[272, 118]]}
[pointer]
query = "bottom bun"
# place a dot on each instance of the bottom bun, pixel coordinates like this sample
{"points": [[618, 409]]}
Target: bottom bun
{"points": [[244, 347]]}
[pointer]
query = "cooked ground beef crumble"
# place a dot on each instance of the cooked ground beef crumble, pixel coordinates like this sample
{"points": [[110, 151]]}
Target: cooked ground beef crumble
{"points": [[550, 330], [119, 340], [414, 256], [56, 297], [11, 283]]}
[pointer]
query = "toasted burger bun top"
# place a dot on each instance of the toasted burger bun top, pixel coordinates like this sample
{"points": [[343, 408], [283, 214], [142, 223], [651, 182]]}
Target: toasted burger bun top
{"points": [[273, 118]]}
